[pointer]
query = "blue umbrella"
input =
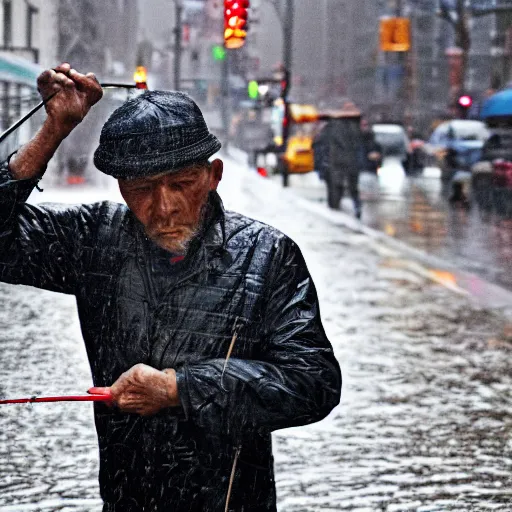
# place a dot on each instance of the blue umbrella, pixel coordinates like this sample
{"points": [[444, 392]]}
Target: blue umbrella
{"points": [[499, 104]]}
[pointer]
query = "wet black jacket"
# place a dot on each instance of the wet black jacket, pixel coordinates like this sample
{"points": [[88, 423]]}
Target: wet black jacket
{"points": [[241, 278], [346, 149]]}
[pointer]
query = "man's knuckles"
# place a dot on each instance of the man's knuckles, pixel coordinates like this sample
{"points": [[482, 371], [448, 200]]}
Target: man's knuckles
{"points": [[140, 372]]}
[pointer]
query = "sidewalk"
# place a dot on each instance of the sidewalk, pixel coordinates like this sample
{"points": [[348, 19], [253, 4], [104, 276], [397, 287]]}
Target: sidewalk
{"points": [[441, 271]]}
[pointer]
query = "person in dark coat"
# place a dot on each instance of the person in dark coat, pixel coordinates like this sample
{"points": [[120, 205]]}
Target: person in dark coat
{"points": [[203, 324], [346, 158]]}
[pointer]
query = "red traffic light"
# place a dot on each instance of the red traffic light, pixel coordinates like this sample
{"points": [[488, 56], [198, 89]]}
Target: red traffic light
{"points": [[465, 101], [235, 22]]}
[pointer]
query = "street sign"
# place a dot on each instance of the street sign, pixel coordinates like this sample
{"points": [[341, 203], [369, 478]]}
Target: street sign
{"points": [[395, 34]]}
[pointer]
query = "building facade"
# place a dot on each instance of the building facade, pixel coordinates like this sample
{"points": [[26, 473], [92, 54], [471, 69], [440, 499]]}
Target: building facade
{"points": [[28, 42], [29, 30], [99, 36]]}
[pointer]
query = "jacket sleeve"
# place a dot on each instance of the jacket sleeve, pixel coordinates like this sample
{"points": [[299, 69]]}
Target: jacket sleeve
{"points": [[39, 245], [295, 380]]}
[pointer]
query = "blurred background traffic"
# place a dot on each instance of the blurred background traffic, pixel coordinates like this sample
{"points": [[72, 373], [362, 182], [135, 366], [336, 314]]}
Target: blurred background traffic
{"points": [[413, 95]]}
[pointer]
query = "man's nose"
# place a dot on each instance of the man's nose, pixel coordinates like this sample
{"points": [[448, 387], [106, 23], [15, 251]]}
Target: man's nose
{"points": [[165, 202]]}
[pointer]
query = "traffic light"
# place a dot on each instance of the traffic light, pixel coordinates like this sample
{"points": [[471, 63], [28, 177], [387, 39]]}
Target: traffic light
{"points": [[235, 23], [464, 103], [395, 34], [252, 90]]}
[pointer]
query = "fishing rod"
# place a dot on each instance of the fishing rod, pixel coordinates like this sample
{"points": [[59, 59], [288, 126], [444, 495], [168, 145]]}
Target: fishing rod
{"points": [[17, 124], [107, 397]]}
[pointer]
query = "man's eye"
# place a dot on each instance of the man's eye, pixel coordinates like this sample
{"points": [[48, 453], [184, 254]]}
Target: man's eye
{"points": [[141, 188], [182, 184]]}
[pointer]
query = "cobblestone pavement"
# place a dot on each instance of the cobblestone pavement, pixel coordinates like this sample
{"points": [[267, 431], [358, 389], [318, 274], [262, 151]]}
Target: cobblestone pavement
{"points": [[426, 414]]}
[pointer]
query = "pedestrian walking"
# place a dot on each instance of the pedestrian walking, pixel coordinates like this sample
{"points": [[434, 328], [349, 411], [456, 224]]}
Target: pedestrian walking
{"points": [[203, 324], [346, 149]]}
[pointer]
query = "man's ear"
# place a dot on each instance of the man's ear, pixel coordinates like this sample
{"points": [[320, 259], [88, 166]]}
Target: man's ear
{"points": [[217, 167], [120, 183]]}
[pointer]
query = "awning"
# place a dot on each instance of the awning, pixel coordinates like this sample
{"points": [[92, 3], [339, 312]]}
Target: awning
{"points": [[17, 70]]}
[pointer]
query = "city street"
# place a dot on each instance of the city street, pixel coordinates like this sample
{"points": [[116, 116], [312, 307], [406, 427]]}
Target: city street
{"points": [[425, 419], [415, 209]]}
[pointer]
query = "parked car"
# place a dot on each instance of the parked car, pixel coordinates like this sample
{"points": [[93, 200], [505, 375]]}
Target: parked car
{"points": [[393, 141], [456, 145], [491, 178]]}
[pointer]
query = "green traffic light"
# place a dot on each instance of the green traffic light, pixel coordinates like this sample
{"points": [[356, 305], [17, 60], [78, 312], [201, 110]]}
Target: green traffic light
{"points": [[218, 52], [252, 90]]}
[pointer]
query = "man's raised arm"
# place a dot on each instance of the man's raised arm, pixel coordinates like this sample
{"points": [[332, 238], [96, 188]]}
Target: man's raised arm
{"points": [[38, 245], [74, 94]]}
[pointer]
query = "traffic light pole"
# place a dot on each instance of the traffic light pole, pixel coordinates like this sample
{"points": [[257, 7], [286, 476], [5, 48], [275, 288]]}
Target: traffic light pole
{"points": [[225, 109], [178, 34], [288, 20], [287, 23]]}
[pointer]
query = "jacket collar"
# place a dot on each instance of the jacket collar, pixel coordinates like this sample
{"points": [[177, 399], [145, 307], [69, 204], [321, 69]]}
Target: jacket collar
{"points": [[213, 234]]}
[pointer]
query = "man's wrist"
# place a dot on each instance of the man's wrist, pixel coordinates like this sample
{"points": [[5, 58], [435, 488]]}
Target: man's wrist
{"points": [[56, 129], [32, 159], [172, 387]]}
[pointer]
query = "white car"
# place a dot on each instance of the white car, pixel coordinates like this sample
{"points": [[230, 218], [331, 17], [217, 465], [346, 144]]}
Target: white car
{"points": [[393, 141]]}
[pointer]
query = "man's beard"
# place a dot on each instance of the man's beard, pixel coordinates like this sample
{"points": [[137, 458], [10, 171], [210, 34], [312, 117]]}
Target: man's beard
{"points": [[176, 239], [177, 243]]}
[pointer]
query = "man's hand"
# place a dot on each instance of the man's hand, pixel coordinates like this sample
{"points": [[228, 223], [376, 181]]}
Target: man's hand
{"points": [[143, 390], [75, 94]]}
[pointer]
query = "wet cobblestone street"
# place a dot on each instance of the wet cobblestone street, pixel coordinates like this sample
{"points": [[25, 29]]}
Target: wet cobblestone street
{"points": [[425, 420]]}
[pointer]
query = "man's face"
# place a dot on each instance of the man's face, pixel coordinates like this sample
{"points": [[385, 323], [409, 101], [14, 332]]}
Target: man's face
{"points": [[170, 205]]}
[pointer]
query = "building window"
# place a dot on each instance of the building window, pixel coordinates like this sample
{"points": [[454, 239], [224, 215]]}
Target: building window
{"points": [[7, 23], [31, 13]]}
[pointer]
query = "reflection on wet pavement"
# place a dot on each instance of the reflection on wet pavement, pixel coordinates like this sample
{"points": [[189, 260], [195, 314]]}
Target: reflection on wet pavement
{"points": [[415, 210], [426, 415], [471, 239]]}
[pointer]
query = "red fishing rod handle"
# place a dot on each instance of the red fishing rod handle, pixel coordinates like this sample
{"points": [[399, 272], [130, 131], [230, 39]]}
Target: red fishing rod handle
{"points": [[104, 397]]}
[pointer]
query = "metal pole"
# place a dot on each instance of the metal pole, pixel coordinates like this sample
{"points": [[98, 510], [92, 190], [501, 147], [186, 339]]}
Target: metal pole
{"points": [[288, 20], [177, 44], [224, 99], [400, 59]]}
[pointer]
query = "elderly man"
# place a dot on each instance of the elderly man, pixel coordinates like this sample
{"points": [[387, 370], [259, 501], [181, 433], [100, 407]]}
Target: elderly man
{"points": [[203, 324]]}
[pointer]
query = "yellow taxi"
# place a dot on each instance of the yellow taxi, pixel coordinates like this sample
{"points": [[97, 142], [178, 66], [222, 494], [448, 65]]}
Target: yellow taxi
{"points": [[298, 154]]}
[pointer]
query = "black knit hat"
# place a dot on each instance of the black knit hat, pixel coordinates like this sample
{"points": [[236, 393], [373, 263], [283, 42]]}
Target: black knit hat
{"points": [[155, 132]]}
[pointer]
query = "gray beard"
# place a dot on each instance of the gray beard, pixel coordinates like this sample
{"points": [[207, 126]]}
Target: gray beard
{"points": [[180, 247]]}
